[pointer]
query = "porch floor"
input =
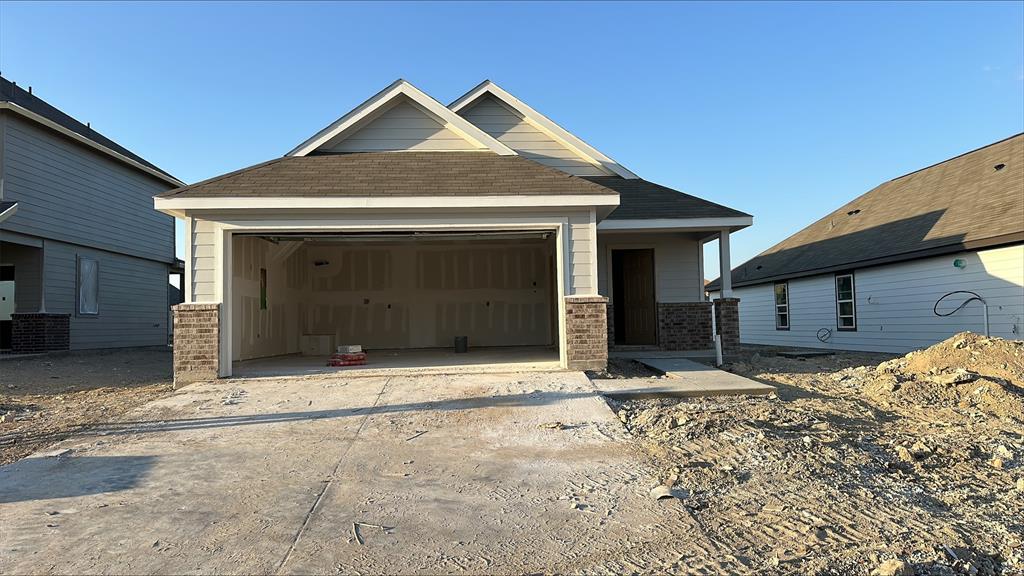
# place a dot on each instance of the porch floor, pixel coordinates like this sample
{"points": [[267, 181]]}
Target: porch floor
{"points": [[424, 361]]}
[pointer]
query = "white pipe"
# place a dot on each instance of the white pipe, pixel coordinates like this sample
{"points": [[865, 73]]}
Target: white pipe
{"points": [[716, 336]]}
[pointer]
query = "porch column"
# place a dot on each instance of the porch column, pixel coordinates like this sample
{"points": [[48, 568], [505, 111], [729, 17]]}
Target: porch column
{"points": [[727, 308], [725, 267]]}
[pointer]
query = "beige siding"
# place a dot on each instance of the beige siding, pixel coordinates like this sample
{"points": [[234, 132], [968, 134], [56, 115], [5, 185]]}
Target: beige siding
{"points": [[512, 130], [204, 261], [894, 304], [404, 126], [582, 259], [677, 277]]}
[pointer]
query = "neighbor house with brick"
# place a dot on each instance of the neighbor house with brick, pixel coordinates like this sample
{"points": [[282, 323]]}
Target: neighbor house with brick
{"points": [[909, 263], [406, 224], [84, 258]]}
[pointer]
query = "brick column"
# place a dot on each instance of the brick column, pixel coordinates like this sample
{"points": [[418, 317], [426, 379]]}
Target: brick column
{"points": [[727, 319], [586, 331], [611, 325], [40, 332], [685, 326], [196, 342]]}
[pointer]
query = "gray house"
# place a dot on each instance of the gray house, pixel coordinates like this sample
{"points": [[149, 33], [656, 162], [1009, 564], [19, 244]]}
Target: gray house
{"points": [[84, 258]]}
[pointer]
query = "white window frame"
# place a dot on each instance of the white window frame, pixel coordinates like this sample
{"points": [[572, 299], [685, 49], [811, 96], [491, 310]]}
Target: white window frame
{"points": [[78, 287], [852, 300], [781, 308]]}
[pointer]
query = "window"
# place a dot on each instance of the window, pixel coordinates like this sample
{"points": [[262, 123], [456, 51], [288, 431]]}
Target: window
{"points": [[88, 286], [846, 306], [782, 306], [263, 288]]}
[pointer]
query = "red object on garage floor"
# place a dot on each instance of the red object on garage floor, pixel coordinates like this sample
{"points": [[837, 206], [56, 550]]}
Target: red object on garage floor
{"points": [[349, 359]]}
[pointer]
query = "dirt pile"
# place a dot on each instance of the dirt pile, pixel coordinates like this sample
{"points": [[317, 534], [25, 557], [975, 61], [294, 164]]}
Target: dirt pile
{"points": [[860, 460], [966, 371]]}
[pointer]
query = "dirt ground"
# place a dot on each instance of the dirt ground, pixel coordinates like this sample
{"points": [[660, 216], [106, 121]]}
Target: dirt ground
{"points": [[46, 398], [861, 462]]}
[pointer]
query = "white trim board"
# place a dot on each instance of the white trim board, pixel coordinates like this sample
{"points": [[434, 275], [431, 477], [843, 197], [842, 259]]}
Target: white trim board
{"points": [[89, 142], [177, 206], [383, 100], [542, 123], [654, 224]]}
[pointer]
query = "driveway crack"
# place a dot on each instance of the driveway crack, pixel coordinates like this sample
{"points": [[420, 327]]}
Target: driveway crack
{"points": [[330, 480]]}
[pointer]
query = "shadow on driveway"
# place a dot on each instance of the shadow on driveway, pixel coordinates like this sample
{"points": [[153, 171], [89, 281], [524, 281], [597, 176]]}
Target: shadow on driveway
{"points": [[68, 476]]}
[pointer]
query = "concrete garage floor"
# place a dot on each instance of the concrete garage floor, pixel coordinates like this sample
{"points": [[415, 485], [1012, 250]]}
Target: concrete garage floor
{"points": [[268, 476], [419, 361]]}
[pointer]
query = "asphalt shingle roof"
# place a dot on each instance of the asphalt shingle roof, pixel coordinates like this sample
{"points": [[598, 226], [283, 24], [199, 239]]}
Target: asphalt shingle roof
{"points": [[10, 92], [640, 200], [392, 174], [971, 201]]}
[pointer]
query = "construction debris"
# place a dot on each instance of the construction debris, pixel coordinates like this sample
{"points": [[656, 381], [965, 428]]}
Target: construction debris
{"points": [[859, 458]]}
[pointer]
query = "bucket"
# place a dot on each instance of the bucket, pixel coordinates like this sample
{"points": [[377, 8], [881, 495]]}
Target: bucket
{"points": [[461, 344]]}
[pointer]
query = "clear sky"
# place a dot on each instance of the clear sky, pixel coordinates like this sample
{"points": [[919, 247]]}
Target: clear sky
{"points": [[782, 110]]}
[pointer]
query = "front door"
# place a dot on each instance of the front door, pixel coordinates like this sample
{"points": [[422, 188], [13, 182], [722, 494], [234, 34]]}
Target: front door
{"points": [[633, 297]]}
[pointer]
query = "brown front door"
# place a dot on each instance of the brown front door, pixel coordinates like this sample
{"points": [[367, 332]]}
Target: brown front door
{"points": [[633, 297]]}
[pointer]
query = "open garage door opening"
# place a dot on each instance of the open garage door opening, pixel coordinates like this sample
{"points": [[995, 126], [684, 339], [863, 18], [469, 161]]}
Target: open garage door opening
{"points": [[404, 297]]}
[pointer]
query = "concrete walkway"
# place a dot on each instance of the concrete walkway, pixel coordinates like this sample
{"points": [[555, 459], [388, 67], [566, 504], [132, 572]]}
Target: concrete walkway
{"points": [[684, 379]]}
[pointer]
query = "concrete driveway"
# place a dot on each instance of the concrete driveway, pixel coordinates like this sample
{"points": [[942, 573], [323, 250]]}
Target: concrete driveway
{"points": [[403, 474]]}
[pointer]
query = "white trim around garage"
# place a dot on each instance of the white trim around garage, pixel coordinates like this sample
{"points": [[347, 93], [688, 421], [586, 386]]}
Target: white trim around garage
{"points": [[178, 206]]}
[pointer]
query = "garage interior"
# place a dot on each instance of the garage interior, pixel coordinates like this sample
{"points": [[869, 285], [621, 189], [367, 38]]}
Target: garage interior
{"points": [[403, 296]]}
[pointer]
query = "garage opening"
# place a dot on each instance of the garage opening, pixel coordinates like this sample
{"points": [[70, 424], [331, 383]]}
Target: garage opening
{"points": [[403, 296]]}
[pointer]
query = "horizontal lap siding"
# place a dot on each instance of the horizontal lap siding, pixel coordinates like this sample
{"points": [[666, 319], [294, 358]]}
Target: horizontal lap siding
{"points": [[582, 234], [676, 269], [204, 261], [402, 127], [894, 304], [69, 193], [508, 128], [133, 308]]}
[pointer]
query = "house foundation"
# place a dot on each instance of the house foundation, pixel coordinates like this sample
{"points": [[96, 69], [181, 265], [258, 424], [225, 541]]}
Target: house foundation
{"points": [[37, 332], [586, 332], [196, 343]]}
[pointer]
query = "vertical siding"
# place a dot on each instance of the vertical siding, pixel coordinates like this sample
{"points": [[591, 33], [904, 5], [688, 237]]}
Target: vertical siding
{"points": [[676, 263], [404, 126], [510, 129], [132, 297], [894, 304], [73, 194]]}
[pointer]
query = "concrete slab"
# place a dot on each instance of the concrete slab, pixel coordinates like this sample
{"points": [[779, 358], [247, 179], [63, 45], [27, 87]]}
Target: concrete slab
{"points": [[272, 476], [683, 379], [492, 360]]}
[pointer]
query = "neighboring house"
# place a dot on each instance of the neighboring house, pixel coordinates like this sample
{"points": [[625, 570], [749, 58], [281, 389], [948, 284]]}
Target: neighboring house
{"points": [[868, 276], [406, 223], [84, 258]]}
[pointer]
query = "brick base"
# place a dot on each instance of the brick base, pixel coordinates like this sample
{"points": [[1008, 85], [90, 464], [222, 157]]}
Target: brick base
{"points": [[727, 319], [196, 342], [586, 329], [40, 332], [685, 326]]}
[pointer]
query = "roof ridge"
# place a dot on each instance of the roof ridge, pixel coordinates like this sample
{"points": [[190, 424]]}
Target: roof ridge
{"points": [[955, 157]]}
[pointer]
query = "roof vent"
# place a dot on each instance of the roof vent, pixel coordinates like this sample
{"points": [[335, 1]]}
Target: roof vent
{"points": [[999, 166], [852, 212]]}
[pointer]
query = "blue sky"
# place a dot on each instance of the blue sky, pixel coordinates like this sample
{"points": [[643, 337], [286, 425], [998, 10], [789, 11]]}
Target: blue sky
{"points": [[785, 111]]}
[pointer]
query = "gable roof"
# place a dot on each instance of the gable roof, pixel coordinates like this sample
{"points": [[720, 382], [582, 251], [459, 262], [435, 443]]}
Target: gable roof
{"points": [[382, 101], [406, 174], [972, 201], [643, 200], [21, 101], [543, 123]]}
